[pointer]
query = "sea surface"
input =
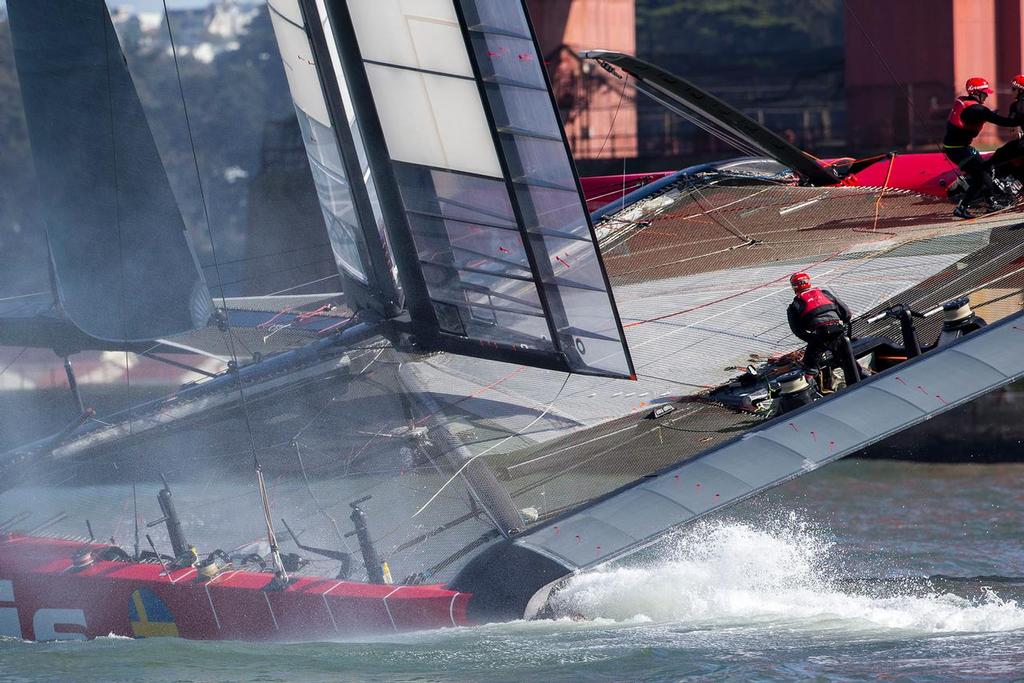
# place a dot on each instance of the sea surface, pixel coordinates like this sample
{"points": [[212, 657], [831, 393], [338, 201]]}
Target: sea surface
{"points": [[865, 569]]}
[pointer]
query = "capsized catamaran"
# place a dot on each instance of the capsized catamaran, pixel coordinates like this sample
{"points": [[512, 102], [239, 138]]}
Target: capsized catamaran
{"points": [[468, 404]]}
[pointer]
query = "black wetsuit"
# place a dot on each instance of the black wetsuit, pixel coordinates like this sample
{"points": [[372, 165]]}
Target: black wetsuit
{"points": [[821, 322], [1009, 159], [964, 124]]}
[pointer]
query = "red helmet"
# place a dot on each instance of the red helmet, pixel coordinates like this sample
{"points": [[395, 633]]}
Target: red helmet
{"points": [[978, 84], [1018, 83], [800, 282]]}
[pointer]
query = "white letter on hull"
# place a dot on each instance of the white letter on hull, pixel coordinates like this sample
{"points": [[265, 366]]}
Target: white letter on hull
{"points": [[10, 626], [45, 621]]}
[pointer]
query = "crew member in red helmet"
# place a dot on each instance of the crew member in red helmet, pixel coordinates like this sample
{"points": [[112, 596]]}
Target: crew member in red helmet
{"points": [[816, 316], [1009, 159], [1017, 106], [966, 119]]}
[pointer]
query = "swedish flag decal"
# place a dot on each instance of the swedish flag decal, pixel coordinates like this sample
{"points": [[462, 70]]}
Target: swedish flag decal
{"points": [[149, 616]]}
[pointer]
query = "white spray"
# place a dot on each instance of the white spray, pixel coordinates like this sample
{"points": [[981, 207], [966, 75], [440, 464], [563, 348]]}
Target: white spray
{"points": [[725, 574]]}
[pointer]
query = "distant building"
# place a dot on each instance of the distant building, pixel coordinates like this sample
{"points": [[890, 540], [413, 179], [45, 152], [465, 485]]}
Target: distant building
{"points": [[600, 116], [907, 60]]}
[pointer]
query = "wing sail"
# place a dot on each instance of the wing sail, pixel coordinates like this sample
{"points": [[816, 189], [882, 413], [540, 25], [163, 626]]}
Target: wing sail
{"points": [[123, 265], [451, 108]]}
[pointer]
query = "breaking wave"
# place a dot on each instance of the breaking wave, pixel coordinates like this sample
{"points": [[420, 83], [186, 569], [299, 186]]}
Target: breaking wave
{"points": [[735, 574]]}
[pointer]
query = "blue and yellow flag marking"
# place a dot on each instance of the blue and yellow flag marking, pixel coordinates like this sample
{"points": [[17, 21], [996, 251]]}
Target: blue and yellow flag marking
{"points": [[149, 616]]}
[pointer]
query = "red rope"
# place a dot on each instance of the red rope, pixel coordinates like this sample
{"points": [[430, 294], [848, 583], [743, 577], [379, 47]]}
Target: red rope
{"points": [[885, 186], [727, 298]]}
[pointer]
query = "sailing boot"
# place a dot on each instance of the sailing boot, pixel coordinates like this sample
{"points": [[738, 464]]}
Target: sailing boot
{"points": [[997, 203], [961, 211]]}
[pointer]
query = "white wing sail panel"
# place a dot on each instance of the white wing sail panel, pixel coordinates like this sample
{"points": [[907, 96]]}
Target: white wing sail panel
{"points": [[786, 447], [448, 105]]}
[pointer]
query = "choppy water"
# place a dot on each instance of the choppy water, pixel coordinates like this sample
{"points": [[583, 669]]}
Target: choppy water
{"points": [[862, 570]]}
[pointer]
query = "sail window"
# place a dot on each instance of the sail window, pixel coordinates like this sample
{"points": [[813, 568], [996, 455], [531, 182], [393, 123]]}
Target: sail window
{"points": [[332, 184], [389, 280], [553, 211], [503, 59], [519, 109]]}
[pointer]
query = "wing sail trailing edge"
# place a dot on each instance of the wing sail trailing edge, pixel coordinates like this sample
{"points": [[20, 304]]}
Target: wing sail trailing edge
{"points": [[123, 267], [448, 105]]}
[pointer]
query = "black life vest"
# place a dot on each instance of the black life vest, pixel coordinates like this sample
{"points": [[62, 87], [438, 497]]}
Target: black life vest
{"points": [[956, 116], [817, 307]]}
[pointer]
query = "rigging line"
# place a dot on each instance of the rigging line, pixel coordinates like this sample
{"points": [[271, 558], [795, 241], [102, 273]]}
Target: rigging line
{"points": [[23, 296], [1006, 257], [717, 209], [853, 266], [316, 501], [1004, 297], [615, 114], [892, 75], [983, 285], [735, 142], [305, 284], [656, 266], [303, 428], [484, 452], [626, 228], [275, 271], [708, 126], [270, 255], [716, 315], [213, 244], [720, 299], [622, 197], [718, 217], [355, 454], [8, 366], [674, 381], [117, 218], [636, 184]]}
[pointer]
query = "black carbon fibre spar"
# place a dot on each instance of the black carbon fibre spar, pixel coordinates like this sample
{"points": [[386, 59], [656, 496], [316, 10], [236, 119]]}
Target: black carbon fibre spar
{"points": [[719, 114]]}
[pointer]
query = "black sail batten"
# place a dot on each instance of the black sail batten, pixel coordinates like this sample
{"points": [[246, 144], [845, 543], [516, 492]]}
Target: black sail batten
{"points": [[123, 267], [661, 84], [484, 218]]}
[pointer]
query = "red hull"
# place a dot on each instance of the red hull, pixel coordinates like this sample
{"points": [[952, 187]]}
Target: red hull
{"points": [[602, 190], [925, 172], [43, 598]]}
